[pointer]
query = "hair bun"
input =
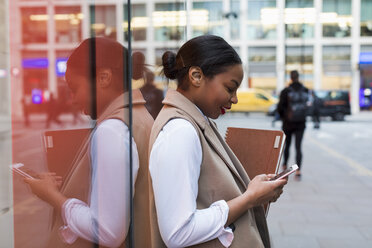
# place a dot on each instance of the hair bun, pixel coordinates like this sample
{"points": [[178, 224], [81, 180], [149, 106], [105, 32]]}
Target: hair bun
{"points": [[169, 64]]}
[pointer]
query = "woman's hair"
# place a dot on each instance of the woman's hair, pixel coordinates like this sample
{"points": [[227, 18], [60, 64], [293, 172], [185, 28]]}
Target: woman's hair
{"points": [[96, 53], [209, 52]]}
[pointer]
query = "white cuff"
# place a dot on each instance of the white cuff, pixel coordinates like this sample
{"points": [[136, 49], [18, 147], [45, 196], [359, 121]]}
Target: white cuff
{"points": [[65, 233], [226, 236]]}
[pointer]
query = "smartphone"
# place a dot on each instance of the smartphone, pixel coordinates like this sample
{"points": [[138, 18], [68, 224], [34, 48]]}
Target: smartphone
{"points": [[17, 169], [285, 173]]}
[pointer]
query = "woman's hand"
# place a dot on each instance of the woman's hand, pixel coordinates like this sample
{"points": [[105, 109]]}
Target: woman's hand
{"points": [[261, 190], [46, 187]]}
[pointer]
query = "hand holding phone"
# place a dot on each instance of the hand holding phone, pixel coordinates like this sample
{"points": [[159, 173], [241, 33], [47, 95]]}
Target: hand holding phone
{"points": [[285, 173], [17, 169]]}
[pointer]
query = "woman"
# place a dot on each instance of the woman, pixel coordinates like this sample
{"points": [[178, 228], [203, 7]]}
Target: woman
{"points": [[202, 195]]}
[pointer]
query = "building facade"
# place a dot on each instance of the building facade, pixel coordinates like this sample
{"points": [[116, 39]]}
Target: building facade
{"points": [[323, 39]]}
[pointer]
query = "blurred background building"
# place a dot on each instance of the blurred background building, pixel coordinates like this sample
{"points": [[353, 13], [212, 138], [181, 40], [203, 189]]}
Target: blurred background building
{"points": [[328, 41]]}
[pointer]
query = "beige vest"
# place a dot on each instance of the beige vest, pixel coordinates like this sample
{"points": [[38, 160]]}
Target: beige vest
{"points": [[78, 181], [222, 177]]}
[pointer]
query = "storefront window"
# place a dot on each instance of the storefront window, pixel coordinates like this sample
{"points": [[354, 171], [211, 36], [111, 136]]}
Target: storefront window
{"points": [[103, 21], [34, 25], [366, 18], [336, 18], [68, 24], [139, 22], [300, 58], [299, 18], [169, 20], [262, 19], [262, 67], [336, 67], [210, 18]]}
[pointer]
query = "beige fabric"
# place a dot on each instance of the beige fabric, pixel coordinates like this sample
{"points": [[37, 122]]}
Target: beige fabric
{"points": [[78, 182], [222, 177]]}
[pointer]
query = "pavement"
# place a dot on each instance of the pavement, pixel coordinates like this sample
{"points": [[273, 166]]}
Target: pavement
{"points": [[331, 206]]}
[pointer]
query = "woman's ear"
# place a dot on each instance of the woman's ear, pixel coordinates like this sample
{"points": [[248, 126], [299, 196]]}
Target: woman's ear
{"points": [[104, 78], [195, 76]]}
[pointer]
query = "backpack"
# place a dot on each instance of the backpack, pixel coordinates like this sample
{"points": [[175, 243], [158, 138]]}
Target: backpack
{"points": [[297, 104]]}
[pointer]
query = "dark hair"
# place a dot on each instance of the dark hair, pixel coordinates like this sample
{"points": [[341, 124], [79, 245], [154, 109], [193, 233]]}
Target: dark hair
{"points": [[209, 52], [294, 75], [98, 52]]}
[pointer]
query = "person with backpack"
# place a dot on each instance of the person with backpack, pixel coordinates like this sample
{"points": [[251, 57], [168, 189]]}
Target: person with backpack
{"points": [[292, 108]]}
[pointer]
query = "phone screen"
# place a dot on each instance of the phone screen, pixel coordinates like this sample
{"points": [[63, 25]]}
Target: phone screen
{"points": [[285, 173], [17, 169]]}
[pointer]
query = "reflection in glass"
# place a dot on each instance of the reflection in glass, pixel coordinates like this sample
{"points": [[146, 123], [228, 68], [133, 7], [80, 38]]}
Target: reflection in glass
{"points": [[169, 20], [68, 24], [209, 18], [139, 22], [262, 19], [103, 21], [336, 18], [366, 18], [34, 25]]}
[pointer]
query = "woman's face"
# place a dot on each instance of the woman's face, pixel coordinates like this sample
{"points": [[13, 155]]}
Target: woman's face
{"points": [[219, 92], [81, 91]]}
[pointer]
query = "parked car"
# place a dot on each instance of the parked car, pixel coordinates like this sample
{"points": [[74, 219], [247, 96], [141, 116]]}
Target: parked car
{"points": [[254, 100], [332, 103]]}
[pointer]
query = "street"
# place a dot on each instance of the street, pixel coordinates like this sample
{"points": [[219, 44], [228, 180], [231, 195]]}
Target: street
{"points": [[329, 207]]}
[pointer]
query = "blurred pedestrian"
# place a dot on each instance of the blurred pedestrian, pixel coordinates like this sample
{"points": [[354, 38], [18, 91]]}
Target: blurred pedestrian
{"points": [[292, 108], [53, 111], [152, 95], [316, 109], [25, 107]]}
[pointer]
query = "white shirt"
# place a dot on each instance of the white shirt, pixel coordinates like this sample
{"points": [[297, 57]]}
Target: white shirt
{"points": [[106, 217], [175, 162]]}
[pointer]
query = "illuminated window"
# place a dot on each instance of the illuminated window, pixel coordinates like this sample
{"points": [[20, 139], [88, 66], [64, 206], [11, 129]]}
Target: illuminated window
{"points": [[139, 22], [336, 18], [366, 18], [234, 18], [300, 58], [207, 18], [169, 20], [262, 67], [68, 24], [299, 18], [103, 21], [262, 19], [34, 25]]}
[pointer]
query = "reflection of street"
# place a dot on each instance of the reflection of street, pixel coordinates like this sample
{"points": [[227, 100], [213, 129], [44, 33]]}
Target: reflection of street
{"points": [[331, 205], [31, 215]]}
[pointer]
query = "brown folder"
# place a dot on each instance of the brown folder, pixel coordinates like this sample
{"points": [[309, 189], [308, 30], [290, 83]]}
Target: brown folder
{"points": [[62, 146], [258, 150]]}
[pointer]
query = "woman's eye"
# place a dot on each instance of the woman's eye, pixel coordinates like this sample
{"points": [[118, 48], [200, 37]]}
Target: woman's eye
{"points": [[230, 90]]}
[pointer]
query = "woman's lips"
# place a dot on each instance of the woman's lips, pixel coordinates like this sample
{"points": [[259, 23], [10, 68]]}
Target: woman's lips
{"points": [[223, 111]]}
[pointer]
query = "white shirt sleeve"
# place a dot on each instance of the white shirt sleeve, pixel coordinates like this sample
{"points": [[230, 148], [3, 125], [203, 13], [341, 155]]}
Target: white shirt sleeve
{"points": [[175, 162], [106, 218]]}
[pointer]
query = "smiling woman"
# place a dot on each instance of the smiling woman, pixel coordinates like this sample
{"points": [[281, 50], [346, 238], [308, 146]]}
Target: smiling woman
{"points": [[201, 193]]}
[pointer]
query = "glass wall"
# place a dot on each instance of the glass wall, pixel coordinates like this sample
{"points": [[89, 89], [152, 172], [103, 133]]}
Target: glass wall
{"points": [[300, 58], [262, 67], [336, 67], [103, 21], [336, 18], [34, 25], [68, 24], [366, 18], [207, 18], [299, 18], [262, 19], [139, 22]]}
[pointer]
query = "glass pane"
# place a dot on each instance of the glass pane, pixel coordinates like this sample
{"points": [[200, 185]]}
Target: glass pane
{"points": [[366, 18], [336, 18], [169, 20], [300, 58], [139, 22], [68, 21], [207, 18], [299, 19], [234, 18], [34, 25], [103, 21], [262, 19]]}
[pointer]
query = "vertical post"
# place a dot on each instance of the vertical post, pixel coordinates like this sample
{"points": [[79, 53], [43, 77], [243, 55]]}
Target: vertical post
{"points": [[243, 45], [317, 63], [355, 50], [280, 47]]}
